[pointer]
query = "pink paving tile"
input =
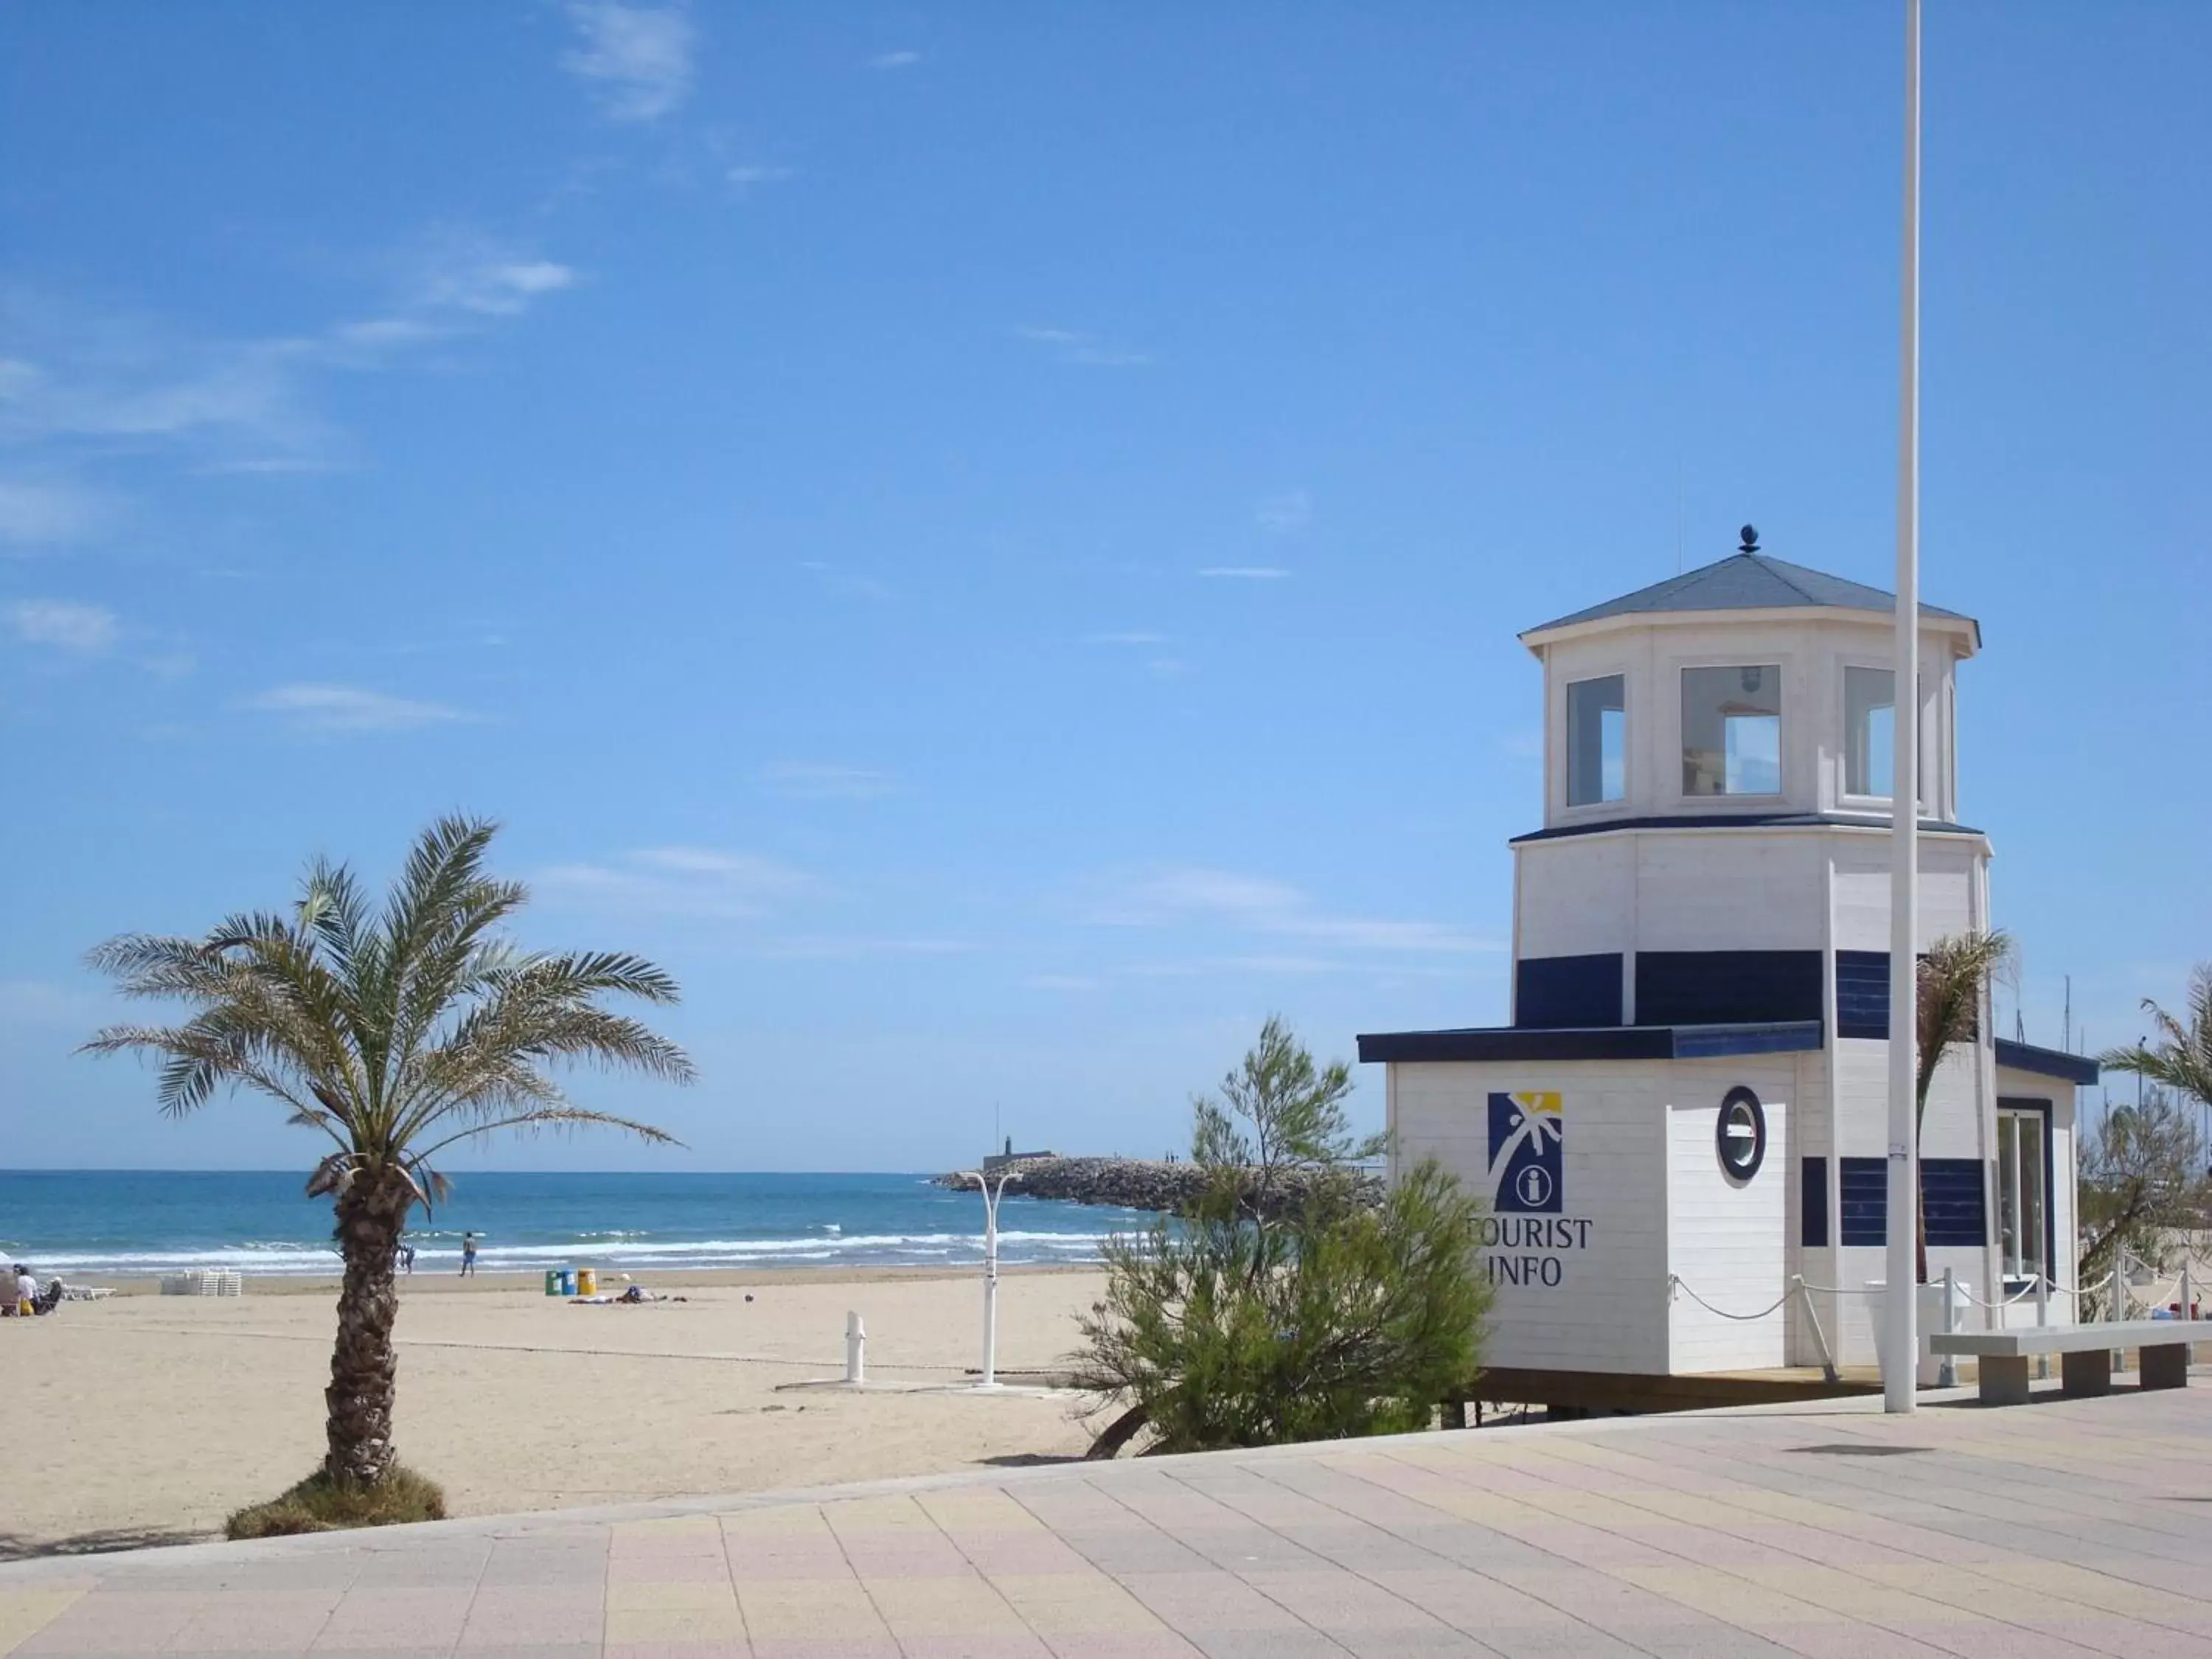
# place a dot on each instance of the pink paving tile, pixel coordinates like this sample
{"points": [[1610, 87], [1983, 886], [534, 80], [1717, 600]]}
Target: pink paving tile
{"points": [[667, 1569], [974, 1647], [268, 1621], [1038, 1553], [110, 1623], [1122, 1645], [794, 1647], [388, 1617]]}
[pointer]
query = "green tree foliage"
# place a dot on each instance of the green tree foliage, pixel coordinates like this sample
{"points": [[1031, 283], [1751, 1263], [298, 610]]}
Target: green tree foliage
{"points": [[1950, 990], [2181, 1059], [1250, 1321], [395, 1033], [2142, 1182]]}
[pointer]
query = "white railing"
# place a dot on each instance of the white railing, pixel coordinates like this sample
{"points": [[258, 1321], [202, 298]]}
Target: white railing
{"points": [[2120, 1292]]}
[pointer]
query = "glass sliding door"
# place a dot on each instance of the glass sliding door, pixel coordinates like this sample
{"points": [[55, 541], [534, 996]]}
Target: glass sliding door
{"points": [[2024, 1189]]}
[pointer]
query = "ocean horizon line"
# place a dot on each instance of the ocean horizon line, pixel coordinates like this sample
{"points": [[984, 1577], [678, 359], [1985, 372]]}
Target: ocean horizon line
{"points": [[139, 1223]]}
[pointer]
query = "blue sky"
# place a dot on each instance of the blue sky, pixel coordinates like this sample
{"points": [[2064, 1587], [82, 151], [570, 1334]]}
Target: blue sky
{"points": [[989, 539]]}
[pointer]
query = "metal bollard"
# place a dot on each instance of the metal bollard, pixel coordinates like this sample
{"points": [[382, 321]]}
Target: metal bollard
{"points": [[2042, 1319], [1947, 1373], [856, 1350], [2119, 1301]]}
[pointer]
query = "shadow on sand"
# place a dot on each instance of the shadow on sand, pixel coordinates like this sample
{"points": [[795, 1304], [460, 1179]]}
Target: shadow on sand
{"points": [[14, 1546]]}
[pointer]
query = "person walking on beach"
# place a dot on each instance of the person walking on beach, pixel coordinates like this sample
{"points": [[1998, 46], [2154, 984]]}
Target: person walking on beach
{"points": [[407, 1259], [468, 1254]]}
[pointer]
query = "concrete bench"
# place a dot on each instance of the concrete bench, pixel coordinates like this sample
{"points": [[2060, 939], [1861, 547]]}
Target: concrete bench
{"points": [[2085, 1355]]}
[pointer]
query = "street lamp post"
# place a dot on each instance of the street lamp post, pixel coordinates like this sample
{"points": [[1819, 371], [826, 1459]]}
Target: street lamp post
{"points": [[991, 1198], [1901, 1357]]}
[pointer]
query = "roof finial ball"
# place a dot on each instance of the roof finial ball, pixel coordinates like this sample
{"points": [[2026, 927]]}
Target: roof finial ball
{"points": [[1750, 539]]}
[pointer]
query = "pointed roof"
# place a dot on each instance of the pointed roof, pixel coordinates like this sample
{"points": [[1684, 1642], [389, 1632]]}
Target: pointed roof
{"points": [[1748, 581]]}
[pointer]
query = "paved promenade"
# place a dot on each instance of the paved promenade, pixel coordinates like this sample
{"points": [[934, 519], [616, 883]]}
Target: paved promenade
{"points": [[2062, 1527]]}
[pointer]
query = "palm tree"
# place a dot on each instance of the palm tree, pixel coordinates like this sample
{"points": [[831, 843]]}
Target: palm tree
{"points": [[2183, 1058], [1948, 992], [396, 1033]]}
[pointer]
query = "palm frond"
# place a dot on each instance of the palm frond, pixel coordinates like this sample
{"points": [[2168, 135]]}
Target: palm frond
{"points": [[382, 1030], [1953, 981], [2181, 1059], [558, 1118]]}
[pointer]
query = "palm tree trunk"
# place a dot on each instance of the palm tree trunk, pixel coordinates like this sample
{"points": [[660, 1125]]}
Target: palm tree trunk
{"points": [[363, 1367]]}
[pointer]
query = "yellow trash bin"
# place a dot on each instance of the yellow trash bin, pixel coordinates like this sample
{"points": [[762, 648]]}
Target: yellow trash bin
{"points": [[587, 1282]]}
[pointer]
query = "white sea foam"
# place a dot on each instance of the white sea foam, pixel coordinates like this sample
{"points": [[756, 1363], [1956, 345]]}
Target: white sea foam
{"points": [[298, 1257]]}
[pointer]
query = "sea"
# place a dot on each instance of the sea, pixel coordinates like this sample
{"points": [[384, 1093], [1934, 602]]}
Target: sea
{"points": [[124, 1223]]}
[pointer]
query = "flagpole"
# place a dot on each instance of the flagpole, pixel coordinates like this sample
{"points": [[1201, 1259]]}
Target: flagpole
{"points": [[1903, 1227]]}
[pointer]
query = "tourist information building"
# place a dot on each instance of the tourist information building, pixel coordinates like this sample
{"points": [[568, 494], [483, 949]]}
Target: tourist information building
{"points": [[1692, 1095]]}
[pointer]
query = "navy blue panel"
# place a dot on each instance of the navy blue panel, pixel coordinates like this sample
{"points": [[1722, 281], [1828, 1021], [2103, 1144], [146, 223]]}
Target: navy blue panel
{"points": [[1591, 1043], [1862, 993], [1951, 1200], [1718, 987], [1511, 1042], [1813, 1203], [1864, 1184], [2046, 1062], [1784, 1038], [1550, 991]]}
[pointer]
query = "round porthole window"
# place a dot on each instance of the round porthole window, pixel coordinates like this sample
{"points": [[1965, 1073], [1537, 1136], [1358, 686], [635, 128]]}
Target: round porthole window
{"points": [[1742, 1134]]}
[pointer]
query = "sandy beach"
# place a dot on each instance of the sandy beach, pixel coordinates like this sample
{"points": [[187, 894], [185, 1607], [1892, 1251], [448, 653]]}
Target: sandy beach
{"points": [[148, 1419]]}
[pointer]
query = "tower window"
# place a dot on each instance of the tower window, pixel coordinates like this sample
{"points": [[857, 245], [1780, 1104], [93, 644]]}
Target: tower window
{"points": [[1732, 731], [1597, 741], [1869, 731]]}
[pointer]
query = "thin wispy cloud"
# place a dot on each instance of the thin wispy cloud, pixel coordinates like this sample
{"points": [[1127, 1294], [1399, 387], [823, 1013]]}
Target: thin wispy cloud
{"points": [[1281, 515], [1134, 637], [1255, 904], [637, 60], [89, 387], [1063, 982], [458, 282], [63, 625], [335, 708], [1244, 573], [35, 514], [823, 781], [681, 881], [846, 584], [1069, 345], [756, 175], [894, 60], [851, 947], [88, 381]]}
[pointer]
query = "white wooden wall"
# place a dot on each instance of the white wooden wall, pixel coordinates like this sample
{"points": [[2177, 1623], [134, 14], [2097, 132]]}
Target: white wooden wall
{"points": [[1729, 1240], [1631, 1171]]}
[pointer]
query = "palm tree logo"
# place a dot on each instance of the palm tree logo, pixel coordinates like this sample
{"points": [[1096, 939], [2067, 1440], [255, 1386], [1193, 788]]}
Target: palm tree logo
{"points": [[1527, 1150]]}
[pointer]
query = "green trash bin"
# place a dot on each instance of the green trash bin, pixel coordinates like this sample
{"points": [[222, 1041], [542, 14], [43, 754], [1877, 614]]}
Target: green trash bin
{"points": [[552, 1281]]}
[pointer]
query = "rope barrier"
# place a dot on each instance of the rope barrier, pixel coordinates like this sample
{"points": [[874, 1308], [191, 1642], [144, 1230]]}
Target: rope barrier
{"points": [[1675, 1280]]}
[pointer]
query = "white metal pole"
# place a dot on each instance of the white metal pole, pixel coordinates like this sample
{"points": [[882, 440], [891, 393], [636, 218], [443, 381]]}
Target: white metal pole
{"points": [[1903, 1347], [991, 1276], [856, 1350]]}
